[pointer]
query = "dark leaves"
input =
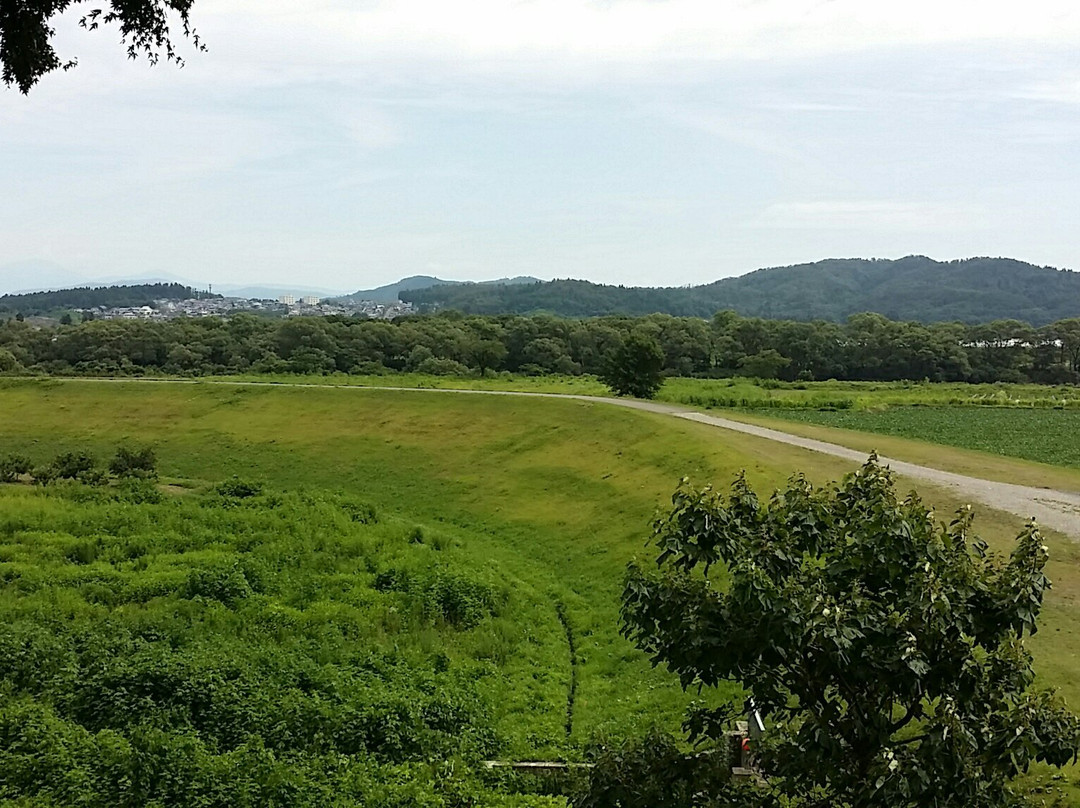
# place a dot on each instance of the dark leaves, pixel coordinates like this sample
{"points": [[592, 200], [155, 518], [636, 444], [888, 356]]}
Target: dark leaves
{"points": [[884, 648], [26, 32]]}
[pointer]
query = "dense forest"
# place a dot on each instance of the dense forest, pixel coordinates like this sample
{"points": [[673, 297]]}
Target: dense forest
{"points": [[866, 347], [975, 290], [142, 294]]}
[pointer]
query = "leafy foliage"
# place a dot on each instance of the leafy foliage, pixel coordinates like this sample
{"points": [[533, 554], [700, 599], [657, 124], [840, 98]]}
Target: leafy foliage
{"points": [[26, 32], [236, 488], [885, 649], [74, 466], [655, 772], [868, 347], [179, 652], [130, 462], [12, 466], [635, 368]]}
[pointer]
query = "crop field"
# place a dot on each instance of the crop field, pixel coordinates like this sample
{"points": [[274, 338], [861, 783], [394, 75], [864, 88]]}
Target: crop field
{"points": [[409, 585], [858, 396], [1043, 435]]}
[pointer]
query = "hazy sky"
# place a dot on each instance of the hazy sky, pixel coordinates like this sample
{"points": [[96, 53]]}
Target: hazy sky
{"points": [[662, 142]]}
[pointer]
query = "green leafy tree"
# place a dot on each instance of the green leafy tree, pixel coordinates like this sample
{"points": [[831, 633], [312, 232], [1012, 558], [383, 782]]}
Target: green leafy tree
{"points": [[486, 354], [636, 367], [765, 364], [8, 362], [884, 649], [26, 32]]}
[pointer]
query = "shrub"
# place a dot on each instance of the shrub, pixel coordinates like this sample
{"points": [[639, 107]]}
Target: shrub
{"points": [[239, 489], [653, 772], [94, 477], [226, 583], [138, 492], [70, 465], [12, 466], [134, 463], [43, 475], [459, 601], [442, 367], [361, 512]]}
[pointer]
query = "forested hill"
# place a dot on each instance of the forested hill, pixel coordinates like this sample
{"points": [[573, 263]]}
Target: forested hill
{"points": [[913, 288], [89, 297]]}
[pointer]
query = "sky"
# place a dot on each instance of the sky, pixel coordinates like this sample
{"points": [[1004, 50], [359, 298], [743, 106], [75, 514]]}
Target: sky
{"points": [[342, 144]]}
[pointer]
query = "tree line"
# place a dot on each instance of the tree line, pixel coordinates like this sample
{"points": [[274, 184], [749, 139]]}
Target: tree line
{"points": [[142, 294], [867, 347]]}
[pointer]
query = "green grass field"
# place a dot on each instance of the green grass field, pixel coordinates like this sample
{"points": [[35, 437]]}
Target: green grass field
{"points": [[533, 505]]}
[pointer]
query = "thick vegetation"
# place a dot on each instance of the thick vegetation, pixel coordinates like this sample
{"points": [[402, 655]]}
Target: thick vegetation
{"points": [[867, 347], [243, 647], [884, 649], [975, 290]]}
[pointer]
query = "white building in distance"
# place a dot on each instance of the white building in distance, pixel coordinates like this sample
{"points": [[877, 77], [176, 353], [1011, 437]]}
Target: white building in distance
{"points": [[288, 300]]}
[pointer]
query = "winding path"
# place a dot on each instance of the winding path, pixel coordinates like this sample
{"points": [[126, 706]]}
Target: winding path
{"points": [[1058, 510]]}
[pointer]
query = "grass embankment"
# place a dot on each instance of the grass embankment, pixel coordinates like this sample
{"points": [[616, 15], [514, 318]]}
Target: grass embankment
{"points": [[542, 500]]}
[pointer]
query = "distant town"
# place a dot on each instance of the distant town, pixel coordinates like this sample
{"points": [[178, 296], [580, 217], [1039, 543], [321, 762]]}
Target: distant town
{"points": [[283, 306]]}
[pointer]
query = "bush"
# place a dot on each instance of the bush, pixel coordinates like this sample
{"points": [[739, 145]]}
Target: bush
{"points": [[72, 465], [226, 583], [654, 772], [43, 475], [12, 466], [134, 463], [459, 601], [361, 512], [138, 492], [94, 477], [239, 489], [442, 367]]}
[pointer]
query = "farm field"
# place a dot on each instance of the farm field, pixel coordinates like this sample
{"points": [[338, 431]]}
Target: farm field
{"points": [[1043, 435], [498, 529]]}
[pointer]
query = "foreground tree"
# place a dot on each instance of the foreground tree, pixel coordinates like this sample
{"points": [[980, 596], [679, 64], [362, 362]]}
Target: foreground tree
{"points": [[26, 32], [885, 650], [636, 367]]}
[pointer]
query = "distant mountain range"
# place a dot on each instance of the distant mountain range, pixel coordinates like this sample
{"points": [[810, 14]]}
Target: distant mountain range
{"points": [[911, 288], [392, 291]]}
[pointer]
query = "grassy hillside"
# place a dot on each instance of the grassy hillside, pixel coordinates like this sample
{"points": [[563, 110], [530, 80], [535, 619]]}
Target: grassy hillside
{"points": [[912, 288], [533, 505]]}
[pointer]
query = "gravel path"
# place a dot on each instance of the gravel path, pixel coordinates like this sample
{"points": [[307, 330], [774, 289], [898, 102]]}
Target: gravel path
{"points": [[1058, 510]]}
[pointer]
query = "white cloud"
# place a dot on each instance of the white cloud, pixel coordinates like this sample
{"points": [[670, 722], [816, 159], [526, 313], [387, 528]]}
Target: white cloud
{"points": [[638, 30]]}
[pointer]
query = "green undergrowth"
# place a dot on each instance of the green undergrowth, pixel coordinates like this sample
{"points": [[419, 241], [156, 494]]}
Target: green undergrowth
{"points": [[241, 646]]}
